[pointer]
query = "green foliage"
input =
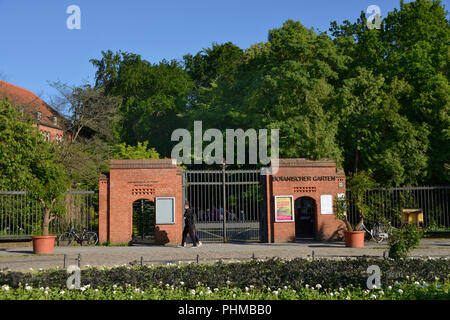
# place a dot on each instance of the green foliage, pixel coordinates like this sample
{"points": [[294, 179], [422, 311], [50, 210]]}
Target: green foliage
{"points": [[359, 183], [402, 241], [274, 273], [374, 100], [435, 291], [29, 163], [152, 96], [140, 151]]}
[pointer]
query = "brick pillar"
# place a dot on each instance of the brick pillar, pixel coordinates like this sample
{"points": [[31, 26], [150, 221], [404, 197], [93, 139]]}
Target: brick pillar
{"points": [[103, 208]]}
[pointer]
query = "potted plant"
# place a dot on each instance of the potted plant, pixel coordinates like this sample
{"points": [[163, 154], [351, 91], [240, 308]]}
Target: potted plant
{"points": [[29, 163], [358, 184], [48, 190]]}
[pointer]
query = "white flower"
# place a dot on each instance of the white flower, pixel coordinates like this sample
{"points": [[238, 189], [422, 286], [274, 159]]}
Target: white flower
{"points": [[182, 283], [82, 288], [381, 292], [114, 292], [373, 296], [307, 286], [228, 281], [192, 291], [436, 278], [318, 286], [45, 292], [5, 287], [331, 294], [348, 298], [246, 288], [275, 292], [417, 282], [61, 292], [28, 288], [400, 291], [96, 290], [390, 287], [341, 289]]}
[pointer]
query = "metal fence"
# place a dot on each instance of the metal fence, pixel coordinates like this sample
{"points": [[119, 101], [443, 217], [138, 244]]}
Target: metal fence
{"points": [[388, 203], [21, 215], [227, 204]]}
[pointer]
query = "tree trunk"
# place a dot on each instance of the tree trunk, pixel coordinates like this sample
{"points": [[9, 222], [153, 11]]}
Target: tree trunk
{"points": [[46, 222]]}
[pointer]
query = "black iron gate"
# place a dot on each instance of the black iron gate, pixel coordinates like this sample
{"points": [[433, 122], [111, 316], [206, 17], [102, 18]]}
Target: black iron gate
{"points": [[228, 204]]}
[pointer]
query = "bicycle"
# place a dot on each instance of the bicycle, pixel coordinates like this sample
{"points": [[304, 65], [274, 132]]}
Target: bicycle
{"points": [[379, 232], [88, 237]]}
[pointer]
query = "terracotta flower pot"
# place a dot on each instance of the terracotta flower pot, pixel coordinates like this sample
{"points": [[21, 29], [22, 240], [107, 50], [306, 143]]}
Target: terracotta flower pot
{"points": [[354, 239], [43, 244]]}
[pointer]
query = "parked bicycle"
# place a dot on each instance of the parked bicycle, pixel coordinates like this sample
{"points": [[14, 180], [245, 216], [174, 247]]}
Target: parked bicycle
{"points": [[379, 232], [88, 238]]}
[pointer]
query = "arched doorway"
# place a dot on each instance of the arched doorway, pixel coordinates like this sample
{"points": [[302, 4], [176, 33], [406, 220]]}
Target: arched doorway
{"points": [[305, 217], [143, 221]]}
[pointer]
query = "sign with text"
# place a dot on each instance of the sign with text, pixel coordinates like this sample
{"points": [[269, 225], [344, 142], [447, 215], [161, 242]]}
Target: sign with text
{"points": [[284, 209], [326, 204]]}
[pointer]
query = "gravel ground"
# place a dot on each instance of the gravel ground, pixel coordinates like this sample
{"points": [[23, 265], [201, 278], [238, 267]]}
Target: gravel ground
{"points": [[22, 258]]}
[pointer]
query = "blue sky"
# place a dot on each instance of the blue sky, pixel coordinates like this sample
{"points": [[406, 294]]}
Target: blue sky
{"points": [[36, 46]]}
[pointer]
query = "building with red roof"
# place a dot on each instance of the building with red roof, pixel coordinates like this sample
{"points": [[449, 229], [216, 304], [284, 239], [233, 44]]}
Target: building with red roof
{"points": [[47, 119]]}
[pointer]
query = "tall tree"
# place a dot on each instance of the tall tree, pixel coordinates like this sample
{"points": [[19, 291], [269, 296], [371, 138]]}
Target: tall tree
{"points": [[29, 163]]}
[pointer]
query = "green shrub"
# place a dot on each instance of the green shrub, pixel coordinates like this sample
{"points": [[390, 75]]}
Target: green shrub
{"points": [[274, 273], [403, 240]]}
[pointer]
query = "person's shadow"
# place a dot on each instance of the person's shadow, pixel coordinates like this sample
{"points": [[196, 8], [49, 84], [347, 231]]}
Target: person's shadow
{"points": [[161, 236]]}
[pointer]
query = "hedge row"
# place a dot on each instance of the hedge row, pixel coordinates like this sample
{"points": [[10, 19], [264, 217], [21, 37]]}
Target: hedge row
{"points": [[274, 273]]}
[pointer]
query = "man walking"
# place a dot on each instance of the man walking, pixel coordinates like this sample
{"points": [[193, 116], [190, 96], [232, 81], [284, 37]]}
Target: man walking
{"points": [[189, 227]]}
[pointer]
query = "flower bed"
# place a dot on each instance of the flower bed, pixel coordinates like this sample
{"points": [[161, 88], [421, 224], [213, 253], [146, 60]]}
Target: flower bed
{"points": [[271, 279], [398, 292]]}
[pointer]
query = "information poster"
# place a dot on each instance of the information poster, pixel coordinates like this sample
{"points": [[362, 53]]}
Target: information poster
{"points": [[326, 204], [284, 211]]}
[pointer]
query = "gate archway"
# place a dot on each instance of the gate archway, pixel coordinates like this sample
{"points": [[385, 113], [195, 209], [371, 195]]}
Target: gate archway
{"points": [[305, 217], [228, 204], [143, 221]]}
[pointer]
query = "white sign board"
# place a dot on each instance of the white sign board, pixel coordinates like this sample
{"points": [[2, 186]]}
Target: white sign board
{"points": [[326, 204], [165, 210]]}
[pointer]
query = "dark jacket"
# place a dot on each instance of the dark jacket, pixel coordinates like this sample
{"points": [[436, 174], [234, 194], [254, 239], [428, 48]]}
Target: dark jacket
{"points": [[189, 218]]}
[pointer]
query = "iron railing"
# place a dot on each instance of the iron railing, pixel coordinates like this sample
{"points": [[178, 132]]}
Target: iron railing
{"points": [[388, 203], [21, 215]]}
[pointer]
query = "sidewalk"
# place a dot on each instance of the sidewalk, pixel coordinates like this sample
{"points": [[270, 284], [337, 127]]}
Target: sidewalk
{"points": [[23, 258]]}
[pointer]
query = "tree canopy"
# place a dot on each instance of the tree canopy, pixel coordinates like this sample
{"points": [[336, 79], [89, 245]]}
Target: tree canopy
{"points": [[375, 100]]}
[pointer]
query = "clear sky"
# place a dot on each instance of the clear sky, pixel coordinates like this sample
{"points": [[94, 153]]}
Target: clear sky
{"points": [[37, 47]]}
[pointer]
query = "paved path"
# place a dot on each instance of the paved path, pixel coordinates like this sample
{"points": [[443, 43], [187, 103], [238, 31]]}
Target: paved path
{"points": [[23, 259]]}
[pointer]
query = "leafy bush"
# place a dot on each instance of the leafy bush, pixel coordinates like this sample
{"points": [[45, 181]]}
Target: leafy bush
{"points": [[403, 240], [406, 291], [274, 273]]}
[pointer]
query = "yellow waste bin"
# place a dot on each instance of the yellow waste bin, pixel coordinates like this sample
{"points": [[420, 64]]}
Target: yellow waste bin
{"points": [[412, 216]]}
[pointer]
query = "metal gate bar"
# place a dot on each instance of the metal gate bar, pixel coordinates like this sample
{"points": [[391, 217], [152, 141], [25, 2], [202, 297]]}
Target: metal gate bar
{"points": [[226, 203]]}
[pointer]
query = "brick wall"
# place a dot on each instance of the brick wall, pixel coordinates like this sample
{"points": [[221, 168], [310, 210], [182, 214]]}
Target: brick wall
{"points": [[301, 178], [131, 180]]}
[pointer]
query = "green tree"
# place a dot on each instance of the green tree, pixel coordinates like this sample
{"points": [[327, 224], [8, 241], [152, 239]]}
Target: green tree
{"points": [[288, 83], [374, 136], [153, 96], [29, 163], [140, 151]]}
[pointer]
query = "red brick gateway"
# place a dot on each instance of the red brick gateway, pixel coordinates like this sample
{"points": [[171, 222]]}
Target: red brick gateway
{"points": [[298, 200]]}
